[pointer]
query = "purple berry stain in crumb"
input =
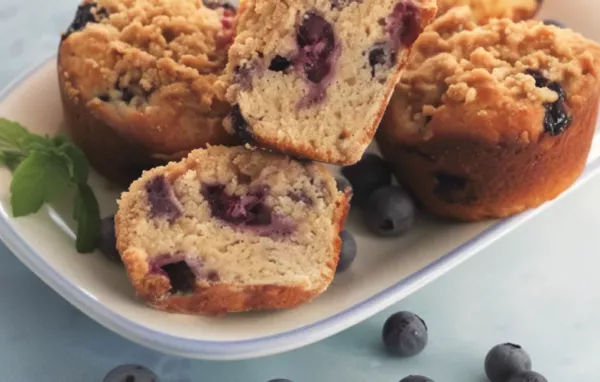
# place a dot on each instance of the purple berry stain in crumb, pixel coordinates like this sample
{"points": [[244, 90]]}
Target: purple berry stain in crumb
{"points": [[556, 118], [248, 212], [182, 271], [240, 126], [244, 73], [86, 13], [341, 4], [300, 196], [452, 189], [403, 25], [279, 64], [380, 55], [163, 203], [317, 52]]}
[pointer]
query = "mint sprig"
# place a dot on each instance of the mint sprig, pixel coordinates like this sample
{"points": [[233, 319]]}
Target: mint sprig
{"points": [[43, 169]]}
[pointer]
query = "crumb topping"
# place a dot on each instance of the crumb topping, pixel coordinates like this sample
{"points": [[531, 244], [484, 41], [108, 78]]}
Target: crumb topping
{"points": [[455, 63], [134, 50]]}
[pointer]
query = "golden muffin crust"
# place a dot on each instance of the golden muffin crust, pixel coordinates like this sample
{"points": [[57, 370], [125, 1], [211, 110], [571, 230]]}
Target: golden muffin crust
{"points": [[140, 78]]}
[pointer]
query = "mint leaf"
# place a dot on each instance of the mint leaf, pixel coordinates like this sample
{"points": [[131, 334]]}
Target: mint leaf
{"points": [[12, 134], [39, 178], [87, 214], [11, 159], [78, 165]]}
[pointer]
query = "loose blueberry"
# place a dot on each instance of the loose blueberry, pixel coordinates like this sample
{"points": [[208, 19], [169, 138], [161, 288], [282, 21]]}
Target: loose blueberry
{"points": [[279, 64], [555, 23], [405, 334], [130, 373], [416, 378], [240, 126], [280, 380], [161, 197], [528, 376], [366, 176], [181, 277], [347, 251], [343, 184], [389, 212], [403, 25], [86, 13], [556, 119], [108, 240], [506, 360], [316, 43]]}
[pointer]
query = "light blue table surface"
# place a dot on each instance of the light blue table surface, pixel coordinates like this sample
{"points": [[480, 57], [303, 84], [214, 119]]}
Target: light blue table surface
{"points": [[538, 287]]}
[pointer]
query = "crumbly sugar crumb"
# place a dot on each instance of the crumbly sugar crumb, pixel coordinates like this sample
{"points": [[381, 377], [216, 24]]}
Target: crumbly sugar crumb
{"points": [[143, 52], [456, 62]]}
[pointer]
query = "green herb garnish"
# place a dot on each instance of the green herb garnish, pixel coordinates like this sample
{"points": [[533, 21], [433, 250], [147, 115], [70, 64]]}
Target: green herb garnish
{"points": [[43, 169]]}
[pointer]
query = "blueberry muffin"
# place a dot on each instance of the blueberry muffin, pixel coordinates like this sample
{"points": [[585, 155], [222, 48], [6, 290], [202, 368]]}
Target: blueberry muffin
{"points": [[488, 121], [311, 78], [231, 230], [483, 10], [139, 81]]}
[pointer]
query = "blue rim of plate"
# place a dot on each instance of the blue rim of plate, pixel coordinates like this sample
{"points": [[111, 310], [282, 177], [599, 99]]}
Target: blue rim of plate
{"points": [[267, 345]]}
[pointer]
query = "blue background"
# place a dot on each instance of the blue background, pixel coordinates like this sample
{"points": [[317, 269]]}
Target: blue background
{"points": [[537, 287]]}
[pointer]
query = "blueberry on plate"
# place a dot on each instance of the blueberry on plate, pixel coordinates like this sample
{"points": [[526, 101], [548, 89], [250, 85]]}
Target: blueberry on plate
{"points": [[366, 176], [554, 22], [347, 252], [528, 376], [505, 360], [131, 373], [108, 240], [405, 334], [416, 378], [389, 212]]}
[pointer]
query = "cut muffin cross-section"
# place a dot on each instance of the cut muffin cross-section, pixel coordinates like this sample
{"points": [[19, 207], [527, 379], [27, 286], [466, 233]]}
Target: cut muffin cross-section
{"points": [[230, 230], [312, 78]]}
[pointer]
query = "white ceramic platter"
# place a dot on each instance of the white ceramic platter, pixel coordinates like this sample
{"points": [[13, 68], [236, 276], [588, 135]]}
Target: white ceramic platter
{"points": [[385, 271]]}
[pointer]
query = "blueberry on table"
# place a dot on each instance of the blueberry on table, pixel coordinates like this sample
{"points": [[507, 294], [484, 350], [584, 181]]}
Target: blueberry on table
{"points": [[416, 378], [108, 240], [280, 380], [130, 373], [347, 252], [505, 360], [528, 376], [405, 334], [389, 212], [366, 176]]}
